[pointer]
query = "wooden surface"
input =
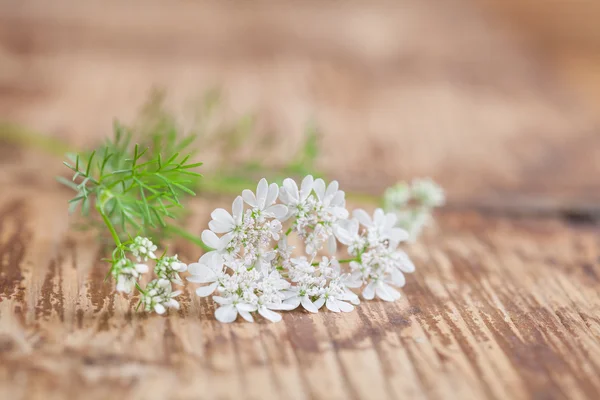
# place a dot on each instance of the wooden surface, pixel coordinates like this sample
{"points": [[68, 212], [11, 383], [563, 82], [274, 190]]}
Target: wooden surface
{"points": [[505, 302]]}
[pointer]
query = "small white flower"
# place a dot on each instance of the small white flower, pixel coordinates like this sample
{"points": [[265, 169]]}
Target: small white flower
{"points": [[292, 197], [127, 274], [143, 249], [169, 268], [209, 269], [264, 200], [383, 223], [223, 222], [231, 307], [427, 192], [159, 296]]}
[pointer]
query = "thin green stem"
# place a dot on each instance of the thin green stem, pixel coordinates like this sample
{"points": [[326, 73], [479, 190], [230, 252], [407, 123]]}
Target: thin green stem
{"points": [[342, 261], [188, 236], [109, 225]]}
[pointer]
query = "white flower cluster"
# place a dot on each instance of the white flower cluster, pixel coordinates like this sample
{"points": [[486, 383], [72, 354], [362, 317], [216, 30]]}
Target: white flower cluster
{"points": [[414, 203], [251, 268], [158, 295]]}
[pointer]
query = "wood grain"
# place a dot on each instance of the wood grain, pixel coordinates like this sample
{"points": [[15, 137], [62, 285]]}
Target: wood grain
{"points": [[503, 305], [498, 308]]}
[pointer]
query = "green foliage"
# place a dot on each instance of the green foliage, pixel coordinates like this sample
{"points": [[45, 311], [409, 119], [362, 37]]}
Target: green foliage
{"points": [[136, 188]]}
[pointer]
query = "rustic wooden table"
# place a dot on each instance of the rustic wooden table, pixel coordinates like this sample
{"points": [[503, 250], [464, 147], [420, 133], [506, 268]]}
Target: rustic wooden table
{"points": [[505, 302]]}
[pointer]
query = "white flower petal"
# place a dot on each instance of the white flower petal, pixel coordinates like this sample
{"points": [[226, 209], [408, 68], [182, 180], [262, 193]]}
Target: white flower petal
{"points": [[338, 199], [293, 302], [141, 268], [220, 227], [291, 190], [345, 307], [204, 291], [362, 217], [238, 210], [249, 198], [319, 188], [222, 216], [272, 194], [278, 210], [332, 305], [386, 293], [246, 315], [398, 278], [222, 300], [309, 305], [306, 187], [332, 189], [332, 244], [406, 265], [399, 235], [201, 273], [226, 314], [268, 314], [379, 217], [262, 190], [246, 307], [369, 291], [159, 308], [319, 302], [173, 304], [210, 239]]}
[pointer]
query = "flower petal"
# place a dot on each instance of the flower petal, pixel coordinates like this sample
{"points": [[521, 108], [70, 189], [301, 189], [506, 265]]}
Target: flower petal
{"points": [[319, 188], [309, 305], [386, 292], [293, 302], [291, 190], [278, 210], [141, 268], [306, 187], [268, 314], [369, 291], [246, 315], [237, 207], [220, 227], [272, 194], [362, 217], [345, 307], [249, 198], [159, 308], [332, 305], [262, 190], [226, 314], [319, 302], [332, 244], [204, 291], [221, 215], [246, 307], [202, 273], [210, 239], [406, 265], [332, 189]]}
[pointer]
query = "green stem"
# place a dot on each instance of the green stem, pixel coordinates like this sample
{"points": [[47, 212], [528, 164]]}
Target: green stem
{"points": [[109, 225], [188, 236]]}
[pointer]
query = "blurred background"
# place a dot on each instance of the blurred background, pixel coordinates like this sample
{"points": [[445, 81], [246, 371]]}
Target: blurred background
{"points": [[497, 100]]}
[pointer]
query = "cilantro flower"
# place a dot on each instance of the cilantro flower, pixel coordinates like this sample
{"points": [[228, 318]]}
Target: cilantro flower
{"points": [[159, 296]]}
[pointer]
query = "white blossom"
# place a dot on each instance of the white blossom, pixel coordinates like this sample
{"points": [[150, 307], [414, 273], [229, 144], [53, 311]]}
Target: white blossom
{"points": [[127, 274], [252, 269], [158, 296], [143, 249], [169, 268]]}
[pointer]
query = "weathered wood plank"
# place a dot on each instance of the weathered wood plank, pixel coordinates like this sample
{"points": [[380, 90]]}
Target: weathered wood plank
{"points": [[498, 308]]}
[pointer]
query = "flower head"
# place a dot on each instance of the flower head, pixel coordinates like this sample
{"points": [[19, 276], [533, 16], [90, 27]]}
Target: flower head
{"points": [[159, 296], [143, 249]]}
